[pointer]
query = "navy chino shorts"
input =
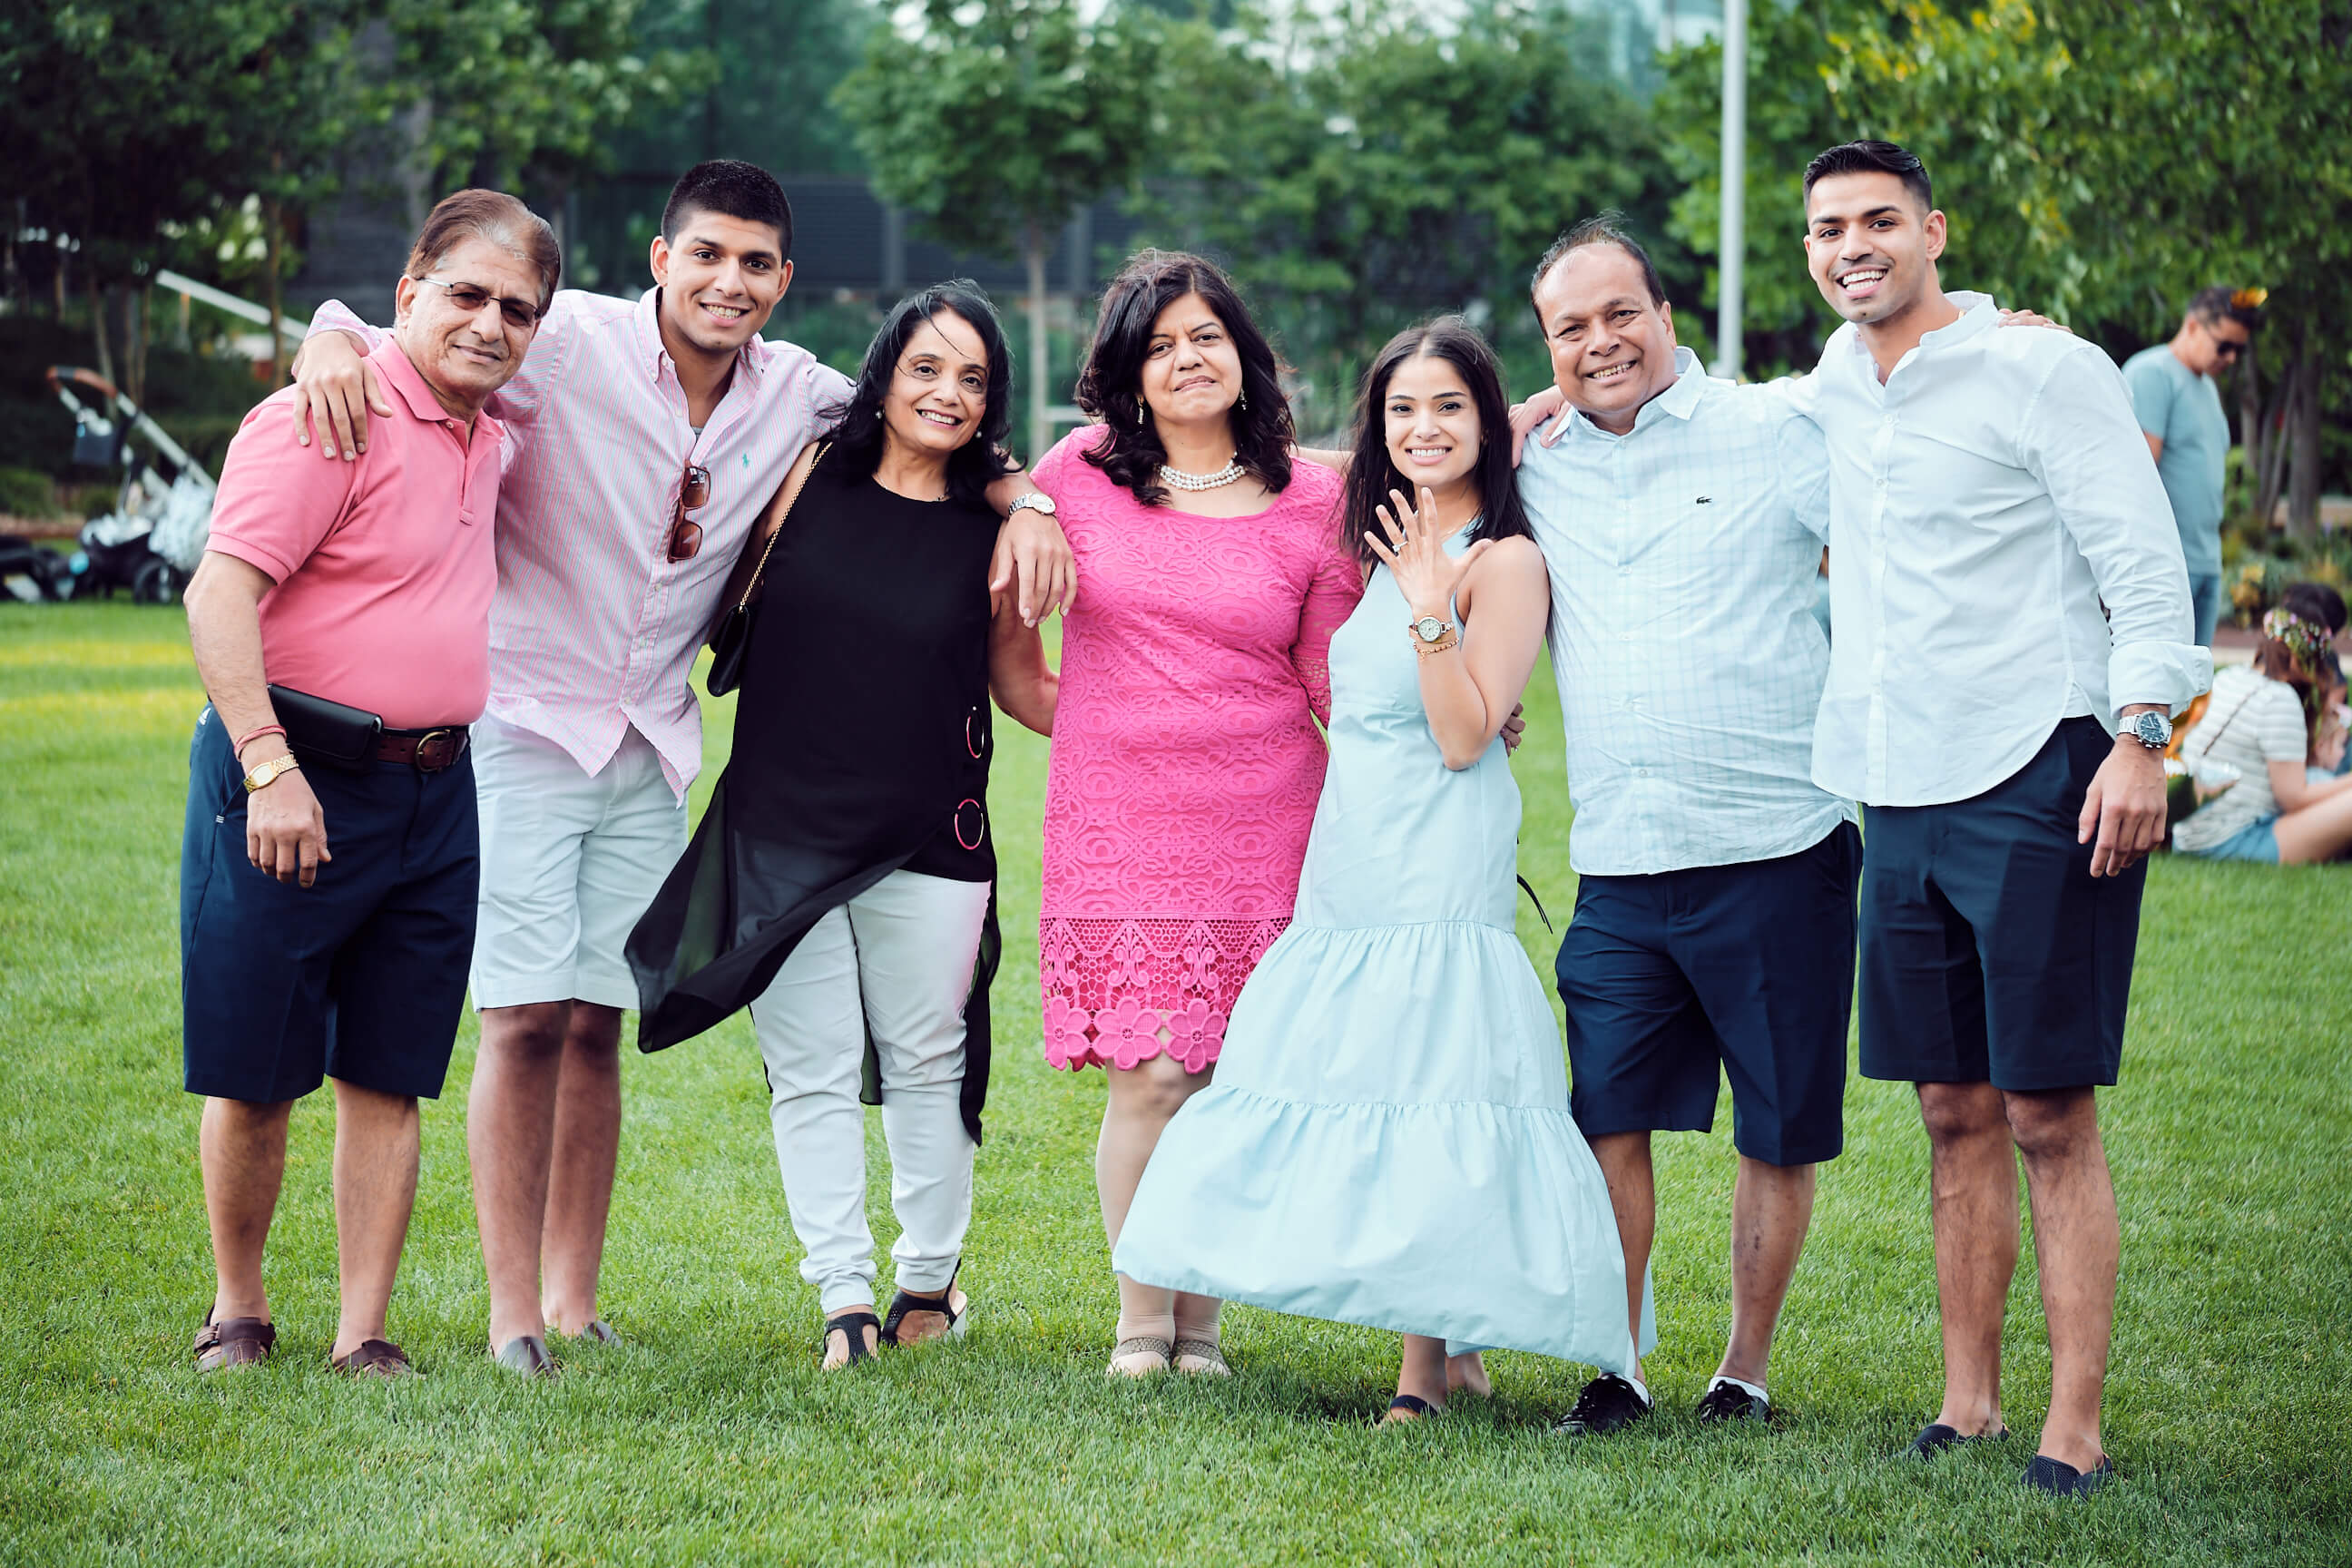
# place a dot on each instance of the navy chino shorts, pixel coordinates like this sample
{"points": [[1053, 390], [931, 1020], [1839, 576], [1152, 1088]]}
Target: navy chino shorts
{"points": [[361, 975], [1989, 953], [1676, 980]]}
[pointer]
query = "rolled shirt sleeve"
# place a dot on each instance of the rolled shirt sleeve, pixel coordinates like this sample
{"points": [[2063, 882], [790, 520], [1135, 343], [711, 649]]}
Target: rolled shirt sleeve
{"points": [[2085, 445]]}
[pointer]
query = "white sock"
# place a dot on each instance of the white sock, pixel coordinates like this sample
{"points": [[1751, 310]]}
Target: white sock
{"points": [[1642, 1389], [1740, 1383]]}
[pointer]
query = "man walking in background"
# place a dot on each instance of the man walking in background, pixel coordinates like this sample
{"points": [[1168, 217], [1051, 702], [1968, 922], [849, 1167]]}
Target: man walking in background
{"points": [[2180, 409], [646, 437], [2012, 630], [340, 622]]}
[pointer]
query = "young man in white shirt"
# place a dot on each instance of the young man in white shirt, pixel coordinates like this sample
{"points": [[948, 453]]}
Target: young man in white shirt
{"points": [[2013, 628]]}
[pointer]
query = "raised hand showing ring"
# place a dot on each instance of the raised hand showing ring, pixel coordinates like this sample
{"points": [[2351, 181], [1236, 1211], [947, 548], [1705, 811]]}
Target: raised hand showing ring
{"points": [[1414, 552]]}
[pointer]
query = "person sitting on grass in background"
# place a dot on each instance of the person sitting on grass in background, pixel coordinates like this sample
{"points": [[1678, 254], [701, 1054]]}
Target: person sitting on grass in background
{"points": [[2262, 722], [2329, 757], [367, 585]]}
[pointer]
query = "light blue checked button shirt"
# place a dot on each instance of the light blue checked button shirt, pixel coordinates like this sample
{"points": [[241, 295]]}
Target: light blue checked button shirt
{"points": [[1684, 556]]}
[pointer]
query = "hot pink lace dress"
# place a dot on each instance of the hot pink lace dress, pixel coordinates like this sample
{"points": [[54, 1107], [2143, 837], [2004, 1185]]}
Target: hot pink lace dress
{"points": [[1185, 761]]}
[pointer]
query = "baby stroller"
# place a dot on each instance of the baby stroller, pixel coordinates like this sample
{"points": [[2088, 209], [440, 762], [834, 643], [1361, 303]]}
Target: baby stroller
{"points": [[151, 541]]}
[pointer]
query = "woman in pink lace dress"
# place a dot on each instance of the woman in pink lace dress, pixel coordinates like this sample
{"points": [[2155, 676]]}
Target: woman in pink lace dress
{"points": [[1186, 759]]}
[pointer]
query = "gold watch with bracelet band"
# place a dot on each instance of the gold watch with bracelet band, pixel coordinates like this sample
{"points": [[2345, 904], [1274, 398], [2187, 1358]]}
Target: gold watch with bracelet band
{"points": [[1432, 635], [270, 772]]}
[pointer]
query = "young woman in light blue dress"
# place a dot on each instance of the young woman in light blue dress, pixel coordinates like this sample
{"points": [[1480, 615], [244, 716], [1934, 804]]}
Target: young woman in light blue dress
{"points": [[1388, 1141]]}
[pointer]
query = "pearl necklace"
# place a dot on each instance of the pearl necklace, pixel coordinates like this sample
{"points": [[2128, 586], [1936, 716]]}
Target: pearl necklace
{"points": [[1177, 478]]}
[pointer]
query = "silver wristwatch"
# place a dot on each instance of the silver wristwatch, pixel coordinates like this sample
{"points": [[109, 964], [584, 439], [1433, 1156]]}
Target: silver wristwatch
{"points": [[1035, 500], [2150, 729], [1429, 628]]}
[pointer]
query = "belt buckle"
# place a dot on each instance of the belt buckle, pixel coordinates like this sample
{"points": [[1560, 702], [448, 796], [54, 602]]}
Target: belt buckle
{"points": [[444, 741]]}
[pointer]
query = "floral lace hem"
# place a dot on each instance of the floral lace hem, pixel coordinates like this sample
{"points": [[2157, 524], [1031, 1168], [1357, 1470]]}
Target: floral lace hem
{"points": [[1120, 991]]}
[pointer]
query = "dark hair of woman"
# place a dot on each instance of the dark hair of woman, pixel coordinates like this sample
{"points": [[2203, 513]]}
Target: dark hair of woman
{"points": [[1373, 473], [1110, 385], [860, 430]]}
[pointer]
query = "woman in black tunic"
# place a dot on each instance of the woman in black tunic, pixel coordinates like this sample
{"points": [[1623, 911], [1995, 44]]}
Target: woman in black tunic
{"points": [[843, 883]]}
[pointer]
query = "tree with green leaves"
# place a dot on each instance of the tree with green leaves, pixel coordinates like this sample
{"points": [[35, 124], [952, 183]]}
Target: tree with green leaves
{"points": [[2102, 160], [125, 120], [519, 95], [1365, 167], [998, 119]]}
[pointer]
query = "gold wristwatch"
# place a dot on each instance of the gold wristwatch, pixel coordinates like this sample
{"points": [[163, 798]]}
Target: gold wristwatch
{"points": [[1431, 635], [268, 772]]}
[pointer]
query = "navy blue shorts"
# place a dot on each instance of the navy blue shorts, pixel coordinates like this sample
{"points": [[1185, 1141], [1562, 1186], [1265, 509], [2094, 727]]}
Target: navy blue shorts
{"points": [[1751, 966], [361, 975], [1989, 953]]}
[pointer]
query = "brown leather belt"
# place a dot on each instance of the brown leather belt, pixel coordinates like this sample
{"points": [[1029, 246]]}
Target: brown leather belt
{"points": [[427, 750]]}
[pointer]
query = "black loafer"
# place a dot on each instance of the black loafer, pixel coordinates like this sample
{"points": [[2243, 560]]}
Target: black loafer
{"points": [[1934, 1437], [1608, 1403], [1726, 1401], [2063, 1480]]}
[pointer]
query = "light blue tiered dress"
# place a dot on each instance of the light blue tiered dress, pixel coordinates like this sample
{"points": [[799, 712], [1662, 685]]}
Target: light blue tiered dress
{"points": [[1387, 1140]]}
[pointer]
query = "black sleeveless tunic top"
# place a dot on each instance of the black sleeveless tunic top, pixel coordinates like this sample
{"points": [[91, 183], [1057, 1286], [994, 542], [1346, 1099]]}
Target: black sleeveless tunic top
{"points": [[862, 742]]}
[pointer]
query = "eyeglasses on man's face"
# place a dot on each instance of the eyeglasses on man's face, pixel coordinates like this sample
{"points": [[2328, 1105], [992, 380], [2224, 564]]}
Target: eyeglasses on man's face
{"points": [[471, 296]]}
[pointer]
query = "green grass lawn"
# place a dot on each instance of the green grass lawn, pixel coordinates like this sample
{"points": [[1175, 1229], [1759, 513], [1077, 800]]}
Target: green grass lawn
{"points": [[711, 1435]]}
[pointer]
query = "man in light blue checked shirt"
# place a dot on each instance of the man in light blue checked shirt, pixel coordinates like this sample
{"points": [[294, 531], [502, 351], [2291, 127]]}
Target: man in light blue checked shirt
{"points": [[1682, 520]]}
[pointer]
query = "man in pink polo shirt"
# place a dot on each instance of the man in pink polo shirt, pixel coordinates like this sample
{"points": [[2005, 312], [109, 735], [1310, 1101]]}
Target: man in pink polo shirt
{"points": [[327, 875], [645, 438]]}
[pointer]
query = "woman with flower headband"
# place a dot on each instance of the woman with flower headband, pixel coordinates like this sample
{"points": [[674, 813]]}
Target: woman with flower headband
{"points": [[2261, 721]]}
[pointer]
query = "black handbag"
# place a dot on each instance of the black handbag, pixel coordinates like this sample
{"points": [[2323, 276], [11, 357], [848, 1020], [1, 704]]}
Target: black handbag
{"points": [[734, 633]]}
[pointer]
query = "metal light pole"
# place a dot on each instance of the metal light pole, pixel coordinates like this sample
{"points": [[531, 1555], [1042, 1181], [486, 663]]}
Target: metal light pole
{"points": [[1733, 221]]}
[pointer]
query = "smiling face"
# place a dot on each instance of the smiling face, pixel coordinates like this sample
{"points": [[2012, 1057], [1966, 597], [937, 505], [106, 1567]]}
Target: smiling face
{"points": [[720, 280], [1191, 370], [1612, 346], [465, 355], [1430, 424], [1871, 246], [939, 390]]}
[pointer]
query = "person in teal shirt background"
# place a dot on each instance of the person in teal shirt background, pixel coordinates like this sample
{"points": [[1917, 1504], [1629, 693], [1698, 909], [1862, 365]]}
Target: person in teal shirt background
{"points": [[2179, 411]]}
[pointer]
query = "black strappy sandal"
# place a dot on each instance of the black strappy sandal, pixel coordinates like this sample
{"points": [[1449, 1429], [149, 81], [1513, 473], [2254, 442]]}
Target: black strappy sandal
{"points": [[1415, 1408], [852, 1327], [907, 1302]]}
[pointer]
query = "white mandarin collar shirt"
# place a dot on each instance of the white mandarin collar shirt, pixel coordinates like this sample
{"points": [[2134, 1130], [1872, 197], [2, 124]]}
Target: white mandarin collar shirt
{"points": [[1986, 503], [1684, 556], [594, 628]]}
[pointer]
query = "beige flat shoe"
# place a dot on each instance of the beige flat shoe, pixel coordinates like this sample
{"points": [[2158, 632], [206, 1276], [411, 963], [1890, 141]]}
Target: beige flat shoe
{"points": [[1201, 1358], [1139, 1357]]}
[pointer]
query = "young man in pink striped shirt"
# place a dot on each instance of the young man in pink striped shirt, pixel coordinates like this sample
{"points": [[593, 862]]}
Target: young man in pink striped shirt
{"points": [[644, 439]]}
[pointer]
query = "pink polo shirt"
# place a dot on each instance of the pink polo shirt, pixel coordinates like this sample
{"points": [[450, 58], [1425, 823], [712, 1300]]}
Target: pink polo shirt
{"points": [[385, 567]]}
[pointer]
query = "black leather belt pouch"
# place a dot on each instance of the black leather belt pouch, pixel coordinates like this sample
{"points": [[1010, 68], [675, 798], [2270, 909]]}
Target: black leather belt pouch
{"points": [[326, 734]]}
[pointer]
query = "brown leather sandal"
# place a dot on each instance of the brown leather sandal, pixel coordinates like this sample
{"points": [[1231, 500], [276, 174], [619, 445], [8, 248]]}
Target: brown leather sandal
{"points": [[374, 1358], [236, 1341]]}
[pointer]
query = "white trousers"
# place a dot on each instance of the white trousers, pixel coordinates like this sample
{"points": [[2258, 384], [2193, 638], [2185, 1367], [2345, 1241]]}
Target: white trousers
{"points": [[896, 959]]}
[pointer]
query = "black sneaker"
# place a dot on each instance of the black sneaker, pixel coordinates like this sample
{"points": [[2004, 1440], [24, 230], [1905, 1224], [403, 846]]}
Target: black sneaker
{"points": [[1934, 1437], [1607, 1403], [2063, 1480], [1726, 1401]]}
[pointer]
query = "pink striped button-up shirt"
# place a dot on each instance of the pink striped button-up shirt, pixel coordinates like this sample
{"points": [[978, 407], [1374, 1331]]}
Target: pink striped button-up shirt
{"points": [[594, 628]]}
